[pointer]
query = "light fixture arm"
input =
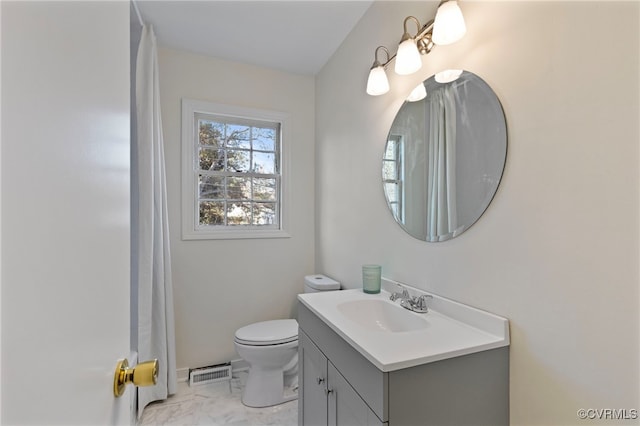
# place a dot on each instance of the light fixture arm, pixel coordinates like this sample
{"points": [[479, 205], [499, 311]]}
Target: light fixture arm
{"points": [[423, 39], [377, 63], [406, 34]]}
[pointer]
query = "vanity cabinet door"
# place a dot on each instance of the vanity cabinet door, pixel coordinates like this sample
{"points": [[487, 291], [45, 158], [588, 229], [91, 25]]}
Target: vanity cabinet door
{"points": [[313, 371], [346, 408]]}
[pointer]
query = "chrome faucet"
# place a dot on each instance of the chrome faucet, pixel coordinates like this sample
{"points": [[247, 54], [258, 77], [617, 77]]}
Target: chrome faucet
{"points": [[413, 303], [418, 304]]}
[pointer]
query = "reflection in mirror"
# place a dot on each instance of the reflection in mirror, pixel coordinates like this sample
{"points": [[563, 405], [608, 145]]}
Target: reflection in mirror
{"points": [[444, 157]]}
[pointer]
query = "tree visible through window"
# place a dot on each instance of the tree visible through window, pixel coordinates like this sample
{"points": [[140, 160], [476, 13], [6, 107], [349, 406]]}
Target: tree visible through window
{"points": [[238, 171]]}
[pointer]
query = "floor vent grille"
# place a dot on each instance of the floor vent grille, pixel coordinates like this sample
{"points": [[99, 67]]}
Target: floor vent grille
{"points": [[210, 374]]}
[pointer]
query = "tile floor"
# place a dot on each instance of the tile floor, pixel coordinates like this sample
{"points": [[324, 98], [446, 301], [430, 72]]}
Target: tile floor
{"points": [[216, 404]]}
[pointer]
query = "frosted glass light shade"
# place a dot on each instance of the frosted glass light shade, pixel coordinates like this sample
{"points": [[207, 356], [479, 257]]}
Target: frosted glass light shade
{"points": [[449, 25], [377, 84], [408, 58], [419, 93], [447, 76]]}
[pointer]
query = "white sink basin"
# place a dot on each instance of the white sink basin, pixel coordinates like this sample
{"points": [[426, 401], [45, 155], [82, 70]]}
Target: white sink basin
{"points": [[393, 338], [382, 315]]}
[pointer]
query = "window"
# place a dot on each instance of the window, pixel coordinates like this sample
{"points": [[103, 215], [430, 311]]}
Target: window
{"points": [[393, 176], [233, 172]]}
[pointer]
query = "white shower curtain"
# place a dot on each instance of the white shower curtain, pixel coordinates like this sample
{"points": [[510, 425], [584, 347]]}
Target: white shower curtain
{"points": [[156, 333], [441, 179]]}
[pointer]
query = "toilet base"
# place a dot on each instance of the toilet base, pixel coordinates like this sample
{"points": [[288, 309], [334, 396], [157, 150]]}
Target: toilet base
{"points": [[258, 391]]}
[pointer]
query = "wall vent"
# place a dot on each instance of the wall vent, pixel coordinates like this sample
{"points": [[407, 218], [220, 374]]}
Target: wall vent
{"points": [[210, 374]]}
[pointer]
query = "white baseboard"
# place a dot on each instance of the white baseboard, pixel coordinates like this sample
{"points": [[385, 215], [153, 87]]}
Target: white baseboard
{"points": [[183, 374], [239, 365]]}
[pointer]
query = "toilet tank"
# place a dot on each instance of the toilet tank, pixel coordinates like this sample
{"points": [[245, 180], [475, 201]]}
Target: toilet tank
{"points": [[316, 283]]}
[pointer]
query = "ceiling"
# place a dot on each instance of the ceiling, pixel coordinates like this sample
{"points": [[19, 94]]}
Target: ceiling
{"points": [[296, 36]]}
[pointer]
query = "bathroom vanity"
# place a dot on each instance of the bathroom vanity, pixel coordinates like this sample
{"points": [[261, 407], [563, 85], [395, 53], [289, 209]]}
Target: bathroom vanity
{"points": [[364, 360]]}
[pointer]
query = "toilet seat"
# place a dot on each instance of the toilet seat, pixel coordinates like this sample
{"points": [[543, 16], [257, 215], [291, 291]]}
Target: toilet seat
{"points": [[267, 333]]}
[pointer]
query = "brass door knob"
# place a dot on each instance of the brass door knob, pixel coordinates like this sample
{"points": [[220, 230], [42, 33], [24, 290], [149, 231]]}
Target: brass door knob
{"points": [[143, 374]]}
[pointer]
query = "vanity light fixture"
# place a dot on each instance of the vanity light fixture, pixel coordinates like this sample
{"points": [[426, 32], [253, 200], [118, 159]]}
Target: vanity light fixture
{"points": [[408, 58], [447, 27], [447, 76], [378, 84], [417, 94]]}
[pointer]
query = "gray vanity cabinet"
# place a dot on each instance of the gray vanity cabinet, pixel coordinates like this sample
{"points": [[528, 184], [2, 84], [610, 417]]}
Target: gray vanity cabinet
{"points": [[345, 405], [339, 386], [312, 371], [326, 398]]}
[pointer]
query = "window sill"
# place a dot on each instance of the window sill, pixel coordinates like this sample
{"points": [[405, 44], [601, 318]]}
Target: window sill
{"points": [[234, 234]]}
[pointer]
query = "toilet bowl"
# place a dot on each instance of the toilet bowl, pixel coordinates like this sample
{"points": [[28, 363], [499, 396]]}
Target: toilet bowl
{"points": [[271, 350], [269, 347]]}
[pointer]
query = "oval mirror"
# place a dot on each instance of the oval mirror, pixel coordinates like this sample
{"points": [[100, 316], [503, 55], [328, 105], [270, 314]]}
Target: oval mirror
{"points": [[444, 156]]}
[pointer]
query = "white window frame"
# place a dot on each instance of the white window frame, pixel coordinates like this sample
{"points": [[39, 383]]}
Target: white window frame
{"points": [[398, 164], [191, 229]]}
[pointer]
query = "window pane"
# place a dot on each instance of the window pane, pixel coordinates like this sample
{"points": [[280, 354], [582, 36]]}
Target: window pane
{"points": [[264, 163], [264, 139], [238, 161], [212, 213], [211, 133], [391, 189], [239, 214], [389, 170], [264, 189], [211, 159], [211, 187], [264, 213], [390, 152], [238, 188], [238, 136]]}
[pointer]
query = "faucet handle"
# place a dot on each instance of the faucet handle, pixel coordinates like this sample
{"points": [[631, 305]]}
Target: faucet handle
{"points": [[421, 302], [402, 293]]}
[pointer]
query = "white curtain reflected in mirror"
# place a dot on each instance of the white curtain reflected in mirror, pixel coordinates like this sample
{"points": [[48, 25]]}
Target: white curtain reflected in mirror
{"points": [[444, 158], [442, 218]]}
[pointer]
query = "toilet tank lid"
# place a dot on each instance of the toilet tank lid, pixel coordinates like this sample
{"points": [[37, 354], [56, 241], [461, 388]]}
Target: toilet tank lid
{"points": [[321, 282], [274, 331]]}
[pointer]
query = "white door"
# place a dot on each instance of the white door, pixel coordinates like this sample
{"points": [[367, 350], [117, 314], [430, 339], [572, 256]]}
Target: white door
{"points": [[64, 210]]}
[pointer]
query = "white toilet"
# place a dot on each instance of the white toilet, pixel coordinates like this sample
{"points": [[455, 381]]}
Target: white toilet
{"points": [[271, 350]]}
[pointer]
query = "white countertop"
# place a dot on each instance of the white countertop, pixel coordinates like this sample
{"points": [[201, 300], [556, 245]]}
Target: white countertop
{"points": [[452, 329]]}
